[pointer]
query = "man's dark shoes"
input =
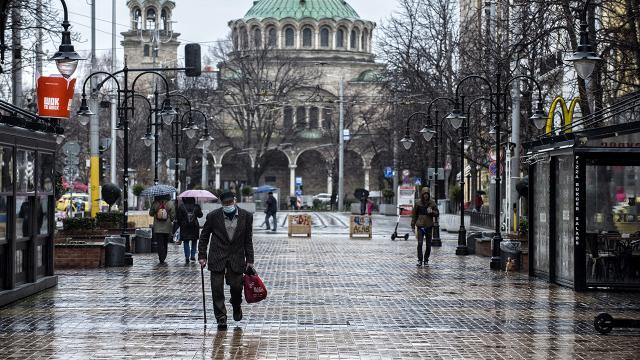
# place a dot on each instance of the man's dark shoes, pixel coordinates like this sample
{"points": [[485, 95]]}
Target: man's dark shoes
{"points": [[237, 313], [419, 264], [193, 258], [186, 261], [426, 263], [222, 325]]}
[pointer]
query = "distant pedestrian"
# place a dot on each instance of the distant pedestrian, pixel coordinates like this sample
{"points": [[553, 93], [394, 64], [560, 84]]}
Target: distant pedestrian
{"points": [[163, 212], [188, 214], [230, 232], [363, 204], [422, 217], [272, 209], [369, 207], [292, 202], [479, 202]]}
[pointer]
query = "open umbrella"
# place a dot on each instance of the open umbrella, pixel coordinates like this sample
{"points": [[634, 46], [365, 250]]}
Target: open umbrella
{"points": [[264, 189], [360, 193], [198, 194], [158, 190], [481, 192]]}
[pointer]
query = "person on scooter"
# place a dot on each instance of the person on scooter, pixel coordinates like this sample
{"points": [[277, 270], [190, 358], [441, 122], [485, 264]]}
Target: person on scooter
{"points": [[424, 211]]}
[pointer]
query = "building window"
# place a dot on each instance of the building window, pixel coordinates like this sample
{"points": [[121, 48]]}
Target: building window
{"points": [[287, 120], [354, 39], [164, 20], [6, 169], [257, 38], [235, 40], [289, 37], [272, 38], [313, 118], [151, 19], [244, 38], [301, 117], [324, 37], [365, 37], [137, 18], [146, 50], [326, 119], [307, 35], [340, 38]]}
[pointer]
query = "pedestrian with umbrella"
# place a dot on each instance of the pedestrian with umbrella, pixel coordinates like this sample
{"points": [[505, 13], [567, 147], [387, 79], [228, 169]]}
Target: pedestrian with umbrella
{"points": [[163, 211], [188, 214], [363, 196]]}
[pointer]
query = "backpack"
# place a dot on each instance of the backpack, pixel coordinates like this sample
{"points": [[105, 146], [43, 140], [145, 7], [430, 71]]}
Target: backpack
{"points": [[191, 215], [162, 214]]}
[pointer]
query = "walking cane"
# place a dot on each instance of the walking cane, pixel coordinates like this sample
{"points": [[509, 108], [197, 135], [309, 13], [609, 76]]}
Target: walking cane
{"points": [[204, 299]]}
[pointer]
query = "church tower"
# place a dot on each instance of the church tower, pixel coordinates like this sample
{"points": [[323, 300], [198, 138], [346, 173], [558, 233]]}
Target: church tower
{"points": [[150, 40]]}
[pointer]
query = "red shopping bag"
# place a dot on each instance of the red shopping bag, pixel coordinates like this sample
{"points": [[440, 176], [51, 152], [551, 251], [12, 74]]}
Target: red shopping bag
{"points": [[254, 289]]}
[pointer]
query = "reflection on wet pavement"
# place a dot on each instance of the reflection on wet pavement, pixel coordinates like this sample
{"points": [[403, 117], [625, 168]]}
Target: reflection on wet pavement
{"points": [[329, 297]]}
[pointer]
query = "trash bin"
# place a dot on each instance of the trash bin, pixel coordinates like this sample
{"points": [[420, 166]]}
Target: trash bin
{"points": [[114, 254], [142, 241]]}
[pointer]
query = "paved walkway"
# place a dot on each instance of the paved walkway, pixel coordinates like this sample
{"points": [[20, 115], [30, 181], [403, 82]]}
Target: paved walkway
{"points": [[329, 298]]}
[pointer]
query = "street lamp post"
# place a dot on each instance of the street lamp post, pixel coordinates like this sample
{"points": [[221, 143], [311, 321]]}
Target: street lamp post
{"points": [[584, 58], [66, 57], [456, 118]]}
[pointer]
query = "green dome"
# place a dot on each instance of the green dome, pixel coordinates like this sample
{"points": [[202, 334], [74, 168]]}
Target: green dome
{"points": [[299, 9]]}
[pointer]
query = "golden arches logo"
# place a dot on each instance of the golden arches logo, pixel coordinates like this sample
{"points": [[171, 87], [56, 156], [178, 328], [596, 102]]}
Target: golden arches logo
{"points": [[567, 113]]}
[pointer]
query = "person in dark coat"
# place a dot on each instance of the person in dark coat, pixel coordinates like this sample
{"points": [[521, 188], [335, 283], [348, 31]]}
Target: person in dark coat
{"points": [[272, 209], [229, 230], [188, 214], [422, 217]]}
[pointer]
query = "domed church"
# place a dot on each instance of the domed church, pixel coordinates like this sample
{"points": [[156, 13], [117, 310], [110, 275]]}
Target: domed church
{"points": [[326, 43]]}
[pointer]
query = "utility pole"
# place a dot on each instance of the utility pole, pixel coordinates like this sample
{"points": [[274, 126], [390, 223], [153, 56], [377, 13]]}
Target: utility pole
{"points": [[114, 105], [39, 38], [16, 57], [341, 150], [94, 125], [514, 166], [395, 151]]}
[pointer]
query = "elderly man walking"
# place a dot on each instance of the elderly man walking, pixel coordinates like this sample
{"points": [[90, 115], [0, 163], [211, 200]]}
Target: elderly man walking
{"points": [[226, 244]]}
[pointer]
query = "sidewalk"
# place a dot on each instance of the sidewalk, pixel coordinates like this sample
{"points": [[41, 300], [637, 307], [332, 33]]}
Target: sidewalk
{"points": [[329, 297]]}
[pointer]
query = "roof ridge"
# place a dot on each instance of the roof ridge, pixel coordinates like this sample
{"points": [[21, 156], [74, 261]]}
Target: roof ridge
{"points": [[317, 9]]}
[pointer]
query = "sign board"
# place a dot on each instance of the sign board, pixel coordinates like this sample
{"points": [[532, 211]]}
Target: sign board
{"points": [[70, 173], [71, 148], [299, 225], [346, 135], [405, 172], [298, 180], [54, 96], [431, 173], [388, 172], [298, 192], [182, 163], [360, 225], [417, 181]]}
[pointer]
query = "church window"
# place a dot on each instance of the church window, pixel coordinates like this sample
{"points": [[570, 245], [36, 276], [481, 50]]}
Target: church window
{"points": [[151, 19], [354, 39], [287, 120], [313, 118], [340, 38], [164, 20], [146, 50], [301, 117], [137, 18], [326, 119], [272, 37], [307, 37], [324, 37], [244, 38], [365, 38], [257, 38], [289, 37]]}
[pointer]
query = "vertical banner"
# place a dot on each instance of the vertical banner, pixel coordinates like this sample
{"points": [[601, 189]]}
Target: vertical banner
{"points": [[54, 96]]}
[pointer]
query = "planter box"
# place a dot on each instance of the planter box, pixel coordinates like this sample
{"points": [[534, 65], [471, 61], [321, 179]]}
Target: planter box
{"points": [[74, 256], [388, 209], [483, 246], [250, 207]]}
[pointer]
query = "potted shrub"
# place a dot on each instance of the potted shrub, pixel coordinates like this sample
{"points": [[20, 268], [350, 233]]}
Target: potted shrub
{"points": [[109, 220], [137, 190], [247, 202]]}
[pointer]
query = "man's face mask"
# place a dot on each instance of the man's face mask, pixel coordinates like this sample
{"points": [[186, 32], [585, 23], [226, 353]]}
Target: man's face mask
{"points": [[229, 207]]}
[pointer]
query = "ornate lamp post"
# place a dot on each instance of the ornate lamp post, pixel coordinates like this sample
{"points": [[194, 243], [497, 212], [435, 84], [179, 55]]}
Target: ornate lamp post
{"points": [[66, 57], [584, 58]]}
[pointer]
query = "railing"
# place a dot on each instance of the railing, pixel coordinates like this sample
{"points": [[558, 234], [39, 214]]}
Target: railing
{"points": [[482, 219]]}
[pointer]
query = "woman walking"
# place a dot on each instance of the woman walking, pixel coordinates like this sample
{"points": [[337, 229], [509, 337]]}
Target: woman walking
{"points": [[163, 212], [188, 214]]}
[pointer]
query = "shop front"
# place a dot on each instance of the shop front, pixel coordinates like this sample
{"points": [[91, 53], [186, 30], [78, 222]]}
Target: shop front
{"points": [[27, 223], [584, 201]]}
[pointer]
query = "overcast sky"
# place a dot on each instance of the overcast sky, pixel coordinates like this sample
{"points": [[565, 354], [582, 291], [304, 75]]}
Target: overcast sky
{"points": [[203, 21]]}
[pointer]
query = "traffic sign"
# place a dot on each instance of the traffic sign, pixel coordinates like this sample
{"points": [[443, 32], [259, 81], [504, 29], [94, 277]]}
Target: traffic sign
{"points": [[405, 172], [71, 148], [298, 180], [71, 160], [346, 135], [388, 172], [70, 172], [418, 181]]}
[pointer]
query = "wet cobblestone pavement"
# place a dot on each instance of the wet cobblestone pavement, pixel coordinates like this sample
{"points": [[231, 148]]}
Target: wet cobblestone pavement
{"points": [[329, 298]]}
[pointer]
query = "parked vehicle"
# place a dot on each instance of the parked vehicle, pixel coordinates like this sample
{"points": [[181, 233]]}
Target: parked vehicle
{"points": [[324, 197], [77, 201]]}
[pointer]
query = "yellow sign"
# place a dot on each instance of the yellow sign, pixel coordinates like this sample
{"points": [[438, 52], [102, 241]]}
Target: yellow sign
{"points": [[299, 225], [567, 114], [360, 225]]}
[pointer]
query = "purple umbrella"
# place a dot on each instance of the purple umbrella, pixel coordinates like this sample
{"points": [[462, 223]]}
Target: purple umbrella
{"points": [[198, 194]]}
